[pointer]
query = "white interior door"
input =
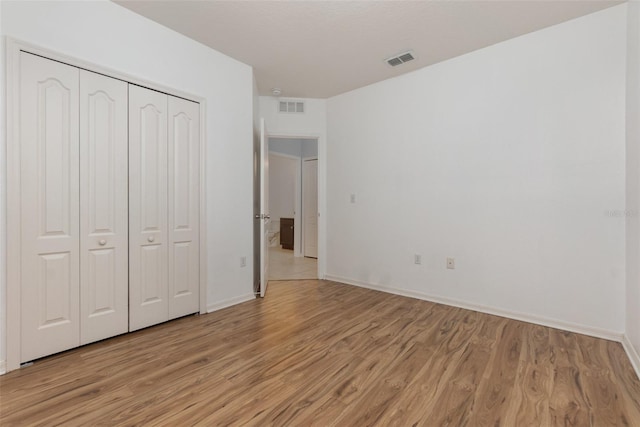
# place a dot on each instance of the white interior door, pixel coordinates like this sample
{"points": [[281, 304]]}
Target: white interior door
{"points": [[310, 207], [264, 209], [50, 199], [148, 269], [184, 207], [104, 259]]}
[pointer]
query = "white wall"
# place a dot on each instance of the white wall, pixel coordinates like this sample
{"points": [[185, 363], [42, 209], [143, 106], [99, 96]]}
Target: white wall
{"points": [[508, 159], [632, 331], [106, 34], [312, 123]]}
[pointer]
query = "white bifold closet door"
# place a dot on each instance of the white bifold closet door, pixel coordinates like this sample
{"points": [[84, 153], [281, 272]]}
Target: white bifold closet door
{"points": [[73, 144], [184, 207], [50, 200], [104, 245], [163, 207], [148, 269]]}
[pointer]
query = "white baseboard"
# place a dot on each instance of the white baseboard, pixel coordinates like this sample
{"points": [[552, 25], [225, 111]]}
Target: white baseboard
{"points": [[3, 367], [634, 357], [229, 302], [525, 317]]}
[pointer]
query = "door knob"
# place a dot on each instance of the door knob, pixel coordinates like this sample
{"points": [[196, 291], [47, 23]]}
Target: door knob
{"points": [[102, 242], [151, 239]]}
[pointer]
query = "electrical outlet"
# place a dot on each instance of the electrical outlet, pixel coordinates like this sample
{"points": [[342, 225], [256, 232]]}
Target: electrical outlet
{"points": [[451, 263], [417, 259], [352, 198], [243, 261]]}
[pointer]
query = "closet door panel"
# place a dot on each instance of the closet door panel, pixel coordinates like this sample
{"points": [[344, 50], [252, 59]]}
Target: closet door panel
{"points": [[104, 207], [148, 270], [184, 207], [49, 146]]}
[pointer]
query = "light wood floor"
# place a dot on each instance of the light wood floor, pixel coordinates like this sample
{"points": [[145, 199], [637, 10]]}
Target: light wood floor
{"points": [[321, 353]]}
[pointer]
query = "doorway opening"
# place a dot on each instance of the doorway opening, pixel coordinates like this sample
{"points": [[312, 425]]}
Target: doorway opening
{"points": [[293, 205]]}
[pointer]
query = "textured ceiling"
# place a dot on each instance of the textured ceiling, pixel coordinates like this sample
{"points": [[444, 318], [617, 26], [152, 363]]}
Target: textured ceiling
{"points": [[318, 49]]}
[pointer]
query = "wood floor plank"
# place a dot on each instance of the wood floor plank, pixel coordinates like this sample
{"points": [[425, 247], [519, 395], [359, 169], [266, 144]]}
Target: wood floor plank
{"points": [[496, 386], [599, 390], [326, 354], [456, 401], [627, 382], [529, 403], [568, 405]]}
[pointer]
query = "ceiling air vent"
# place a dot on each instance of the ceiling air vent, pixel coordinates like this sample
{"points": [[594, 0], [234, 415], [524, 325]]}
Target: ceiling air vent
{"points": [[400, 59], [291, 107]]}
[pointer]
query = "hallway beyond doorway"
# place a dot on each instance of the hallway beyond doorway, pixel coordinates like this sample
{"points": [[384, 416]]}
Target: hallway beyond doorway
{"points": [[284, 266]]}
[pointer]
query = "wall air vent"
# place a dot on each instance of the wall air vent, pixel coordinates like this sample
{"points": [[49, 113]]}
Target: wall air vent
{"points": [[291, 107], [400, 58]]}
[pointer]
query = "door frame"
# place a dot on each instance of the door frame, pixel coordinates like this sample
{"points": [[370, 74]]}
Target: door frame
{"points": [[13, 188], [321, 190]]}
